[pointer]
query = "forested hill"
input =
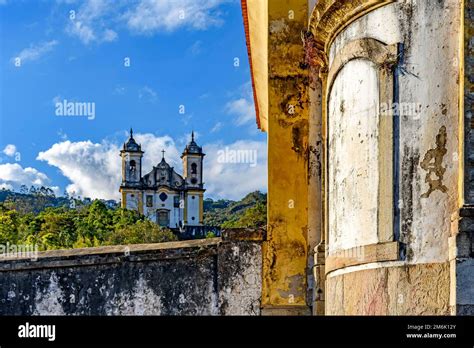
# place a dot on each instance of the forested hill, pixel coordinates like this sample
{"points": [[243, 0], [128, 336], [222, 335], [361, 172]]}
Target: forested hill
{"points": [[250, 211], [36, 199], [32, 200]]}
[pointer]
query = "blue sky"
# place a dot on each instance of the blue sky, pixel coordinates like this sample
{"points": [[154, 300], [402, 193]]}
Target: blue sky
{"points": [[183, 56]]}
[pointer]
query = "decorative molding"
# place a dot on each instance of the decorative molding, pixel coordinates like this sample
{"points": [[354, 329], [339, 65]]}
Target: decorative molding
{"points": [[384, 56], [330, 17], [379, 252]]}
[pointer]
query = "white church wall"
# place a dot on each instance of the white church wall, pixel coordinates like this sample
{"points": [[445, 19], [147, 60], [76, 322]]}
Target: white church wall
{"points": [[132, 201], [176, 214], [193, 209]]}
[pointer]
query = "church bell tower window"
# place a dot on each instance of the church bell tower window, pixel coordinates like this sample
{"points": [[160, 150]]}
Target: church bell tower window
{"points": [[149, 201]]}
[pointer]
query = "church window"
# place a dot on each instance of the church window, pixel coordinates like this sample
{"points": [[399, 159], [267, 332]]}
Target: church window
{"points": [[193, 181], [163, 196], [133, 165], [193, 168], [193, 218], [176, 201], [149, 201], [193, 197]]}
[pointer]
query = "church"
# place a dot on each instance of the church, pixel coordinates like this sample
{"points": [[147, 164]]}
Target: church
{"points": [[164, 196]]}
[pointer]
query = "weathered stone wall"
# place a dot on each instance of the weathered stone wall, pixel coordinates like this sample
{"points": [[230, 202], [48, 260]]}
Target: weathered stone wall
{"points": [[425, 159], [397, 289], [428, 75], [218, 276]]}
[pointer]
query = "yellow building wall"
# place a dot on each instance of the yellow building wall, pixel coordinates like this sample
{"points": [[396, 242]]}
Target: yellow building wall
{"points": [[286, 250]]}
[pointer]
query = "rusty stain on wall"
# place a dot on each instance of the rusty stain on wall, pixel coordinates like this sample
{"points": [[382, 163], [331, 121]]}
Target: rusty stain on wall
{"points": [[433, 164]]}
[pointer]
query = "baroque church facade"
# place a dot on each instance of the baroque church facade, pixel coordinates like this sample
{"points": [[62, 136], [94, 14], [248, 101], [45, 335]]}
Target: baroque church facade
{"points": [[162, 195]]}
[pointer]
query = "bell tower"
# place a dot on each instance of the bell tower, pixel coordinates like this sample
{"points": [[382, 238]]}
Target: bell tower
{"points": [[192, 173], [131, 162], [192, 164], [131, 154]]}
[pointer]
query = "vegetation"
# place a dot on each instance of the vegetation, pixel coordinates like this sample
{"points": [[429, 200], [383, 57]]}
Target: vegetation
{"points": [[83, 223], [36, 216], [251, 211]]}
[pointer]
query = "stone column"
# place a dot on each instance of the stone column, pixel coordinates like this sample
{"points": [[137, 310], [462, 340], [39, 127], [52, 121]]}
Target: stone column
{"points": [[286, 249]]}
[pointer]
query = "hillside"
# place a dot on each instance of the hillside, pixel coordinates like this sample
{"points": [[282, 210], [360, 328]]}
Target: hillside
{"points": [[250, 211], [36, 199]]}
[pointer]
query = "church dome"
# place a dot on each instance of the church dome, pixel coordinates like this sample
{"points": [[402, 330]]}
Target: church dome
{"points": [[131, 144], [192, 147]]}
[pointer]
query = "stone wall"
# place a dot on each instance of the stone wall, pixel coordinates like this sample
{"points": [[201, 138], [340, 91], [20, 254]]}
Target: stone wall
{"points": [[397, 289], [218, 276]]}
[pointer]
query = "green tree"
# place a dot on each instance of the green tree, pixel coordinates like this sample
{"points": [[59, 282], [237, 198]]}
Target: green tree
{"points": [[95, 221], [9, 221], [143, 231], [255, 216]]}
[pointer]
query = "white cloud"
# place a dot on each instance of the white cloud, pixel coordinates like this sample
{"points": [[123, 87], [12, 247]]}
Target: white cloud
{"points": [[82, 31], [4, 185], [9, 150], [62, 135], [13, 175], [110, 35], [242, 108], [224, 179], [97, 21], [35, 52], [92, 20], [147, 93], [196, 48], [217, 127], [94, 169], [151, 16], [120, 90]]}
